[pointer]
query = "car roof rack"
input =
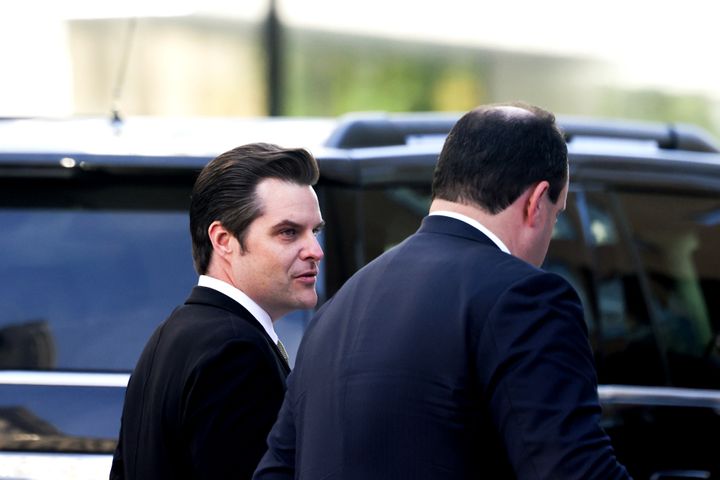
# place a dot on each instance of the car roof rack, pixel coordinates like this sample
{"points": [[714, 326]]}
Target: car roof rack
{"points": [[382, 129], [667, 136]]}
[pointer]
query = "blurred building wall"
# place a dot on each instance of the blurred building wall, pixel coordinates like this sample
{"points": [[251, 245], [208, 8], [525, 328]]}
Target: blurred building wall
{"points": [[216, 66], [176, 66]]}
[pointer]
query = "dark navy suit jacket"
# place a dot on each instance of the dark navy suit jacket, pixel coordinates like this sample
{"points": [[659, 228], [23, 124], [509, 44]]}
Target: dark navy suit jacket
{"points": [[444, 358], [203, 396]]}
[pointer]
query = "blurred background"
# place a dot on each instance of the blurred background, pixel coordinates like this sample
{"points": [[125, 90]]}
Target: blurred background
{"points": [[629, 59]]}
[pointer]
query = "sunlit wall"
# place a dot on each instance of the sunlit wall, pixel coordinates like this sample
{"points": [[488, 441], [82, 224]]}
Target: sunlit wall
{"points": [[213, 62]]}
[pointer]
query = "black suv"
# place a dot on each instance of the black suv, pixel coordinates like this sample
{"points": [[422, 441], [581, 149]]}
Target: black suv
{"points": [[96, 252]]}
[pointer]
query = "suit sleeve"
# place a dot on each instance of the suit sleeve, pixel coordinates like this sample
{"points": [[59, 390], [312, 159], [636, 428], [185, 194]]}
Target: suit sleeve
{"points": [[535, 362], [117, 470], [278, 463], [231, 404]]}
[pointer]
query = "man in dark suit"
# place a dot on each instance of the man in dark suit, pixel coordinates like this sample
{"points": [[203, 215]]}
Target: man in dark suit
{"points": [[208, 385], [453, 355]]}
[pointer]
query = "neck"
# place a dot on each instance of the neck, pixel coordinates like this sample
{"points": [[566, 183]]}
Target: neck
{"points": [[496, 223]]}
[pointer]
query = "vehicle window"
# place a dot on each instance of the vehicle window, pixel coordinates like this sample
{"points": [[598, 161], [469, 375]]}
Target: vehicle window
{"points": [[677, 238], [364, 223], [569, 257], [382, 231], [84, 289], [628, 350]]}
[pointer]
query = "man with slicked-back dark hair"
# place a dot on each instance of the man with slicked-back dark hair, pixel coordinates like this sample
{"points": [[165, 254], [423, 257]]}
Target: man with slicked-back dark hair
{"points": [[210, 381], [453, 355]]}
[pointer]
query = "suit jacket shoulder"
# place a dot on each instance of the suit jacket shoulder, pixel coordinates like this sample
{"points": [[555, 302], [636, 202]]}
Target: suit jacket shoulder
{"points": [[445, 348], [203, 396]]}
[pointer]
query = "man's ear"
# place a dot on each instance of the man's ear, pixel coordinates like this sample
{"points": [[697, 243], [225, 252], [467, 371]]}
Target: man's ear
{"points": [[534, 204], [220, 238]]}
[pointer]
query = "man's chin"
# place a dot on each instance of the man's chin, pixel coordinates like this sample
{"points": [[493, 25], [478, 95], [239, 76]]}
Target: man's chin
{"points": [[308, 302]]}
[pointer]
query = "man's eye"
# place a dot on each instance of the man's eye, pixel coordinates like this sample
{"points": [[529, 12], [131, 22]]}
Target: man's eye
{"points": [[288, 232]]}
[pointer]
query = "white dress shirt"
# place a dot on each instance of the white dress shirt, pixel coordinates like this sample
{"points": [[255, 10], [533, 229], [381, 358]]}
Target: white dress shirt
{"points": [[464, 218], [255, 310]]}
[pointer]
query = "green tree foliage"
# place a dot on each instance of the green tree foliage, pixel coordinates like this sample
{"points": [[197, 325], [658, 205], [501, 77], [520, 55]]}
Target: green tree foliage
{"points": [[329, 74]]}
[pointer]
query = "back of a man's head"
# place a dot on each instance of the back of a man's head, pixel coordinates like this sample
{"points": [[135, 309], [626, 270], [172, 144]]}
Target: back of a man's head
{"points": [[495, 152], [225, 190]]}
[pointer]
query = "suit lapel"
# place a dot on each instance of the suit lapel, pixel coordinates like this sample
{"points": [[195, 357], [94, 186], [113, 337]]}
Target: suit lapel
{"points": [[208, 296]]}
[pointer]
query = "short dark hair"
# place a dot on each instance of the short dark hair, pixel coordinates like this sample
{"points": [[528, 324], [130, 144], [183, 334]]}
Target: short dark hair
{"points": [[491, 156], [225, 190]]}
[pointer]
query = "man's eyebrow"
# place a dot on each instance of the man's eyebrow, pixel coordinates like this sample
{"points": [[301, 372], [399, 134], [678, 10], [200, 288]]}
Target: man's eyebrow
{"points": [[291, 224], [287, 223]]}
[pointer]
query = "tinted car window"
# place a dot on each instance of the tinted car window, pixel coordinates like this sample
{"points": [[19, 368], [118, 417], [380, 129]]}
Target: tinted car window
{"points": [[364, 223], [84, 289], [677, 239], [91, 264], [627, 352], [569, 256]]}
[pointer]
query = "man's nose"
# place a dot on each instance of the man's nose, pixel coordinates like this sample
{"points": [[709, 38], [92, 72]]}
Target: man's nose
{"points": [[312, 249]]}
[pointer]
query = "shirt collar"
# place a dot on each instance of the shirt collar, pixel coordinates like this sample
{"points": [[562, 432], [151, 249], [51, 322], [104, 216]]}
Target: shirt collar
{"points": [[470, 221], [255, 310]]}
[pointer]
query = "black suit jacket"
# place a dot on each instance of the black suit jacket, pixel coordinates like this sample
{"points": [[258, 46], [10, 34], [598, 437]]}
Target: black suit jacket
{"points": [[444, 358], [203, 396]]}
